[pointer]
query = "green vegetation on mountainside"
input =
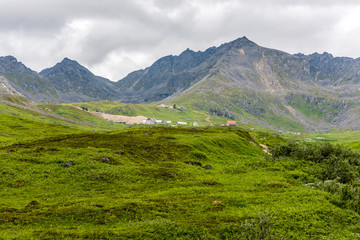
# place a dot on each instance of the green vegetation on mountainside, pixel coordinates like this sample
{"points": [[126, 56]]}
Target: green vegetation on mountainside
{"points": [[71, 112], [170, 183], [31, 83], [257, 110], [185, 114], [317, 106], [14, 129], [17, 99], [18, 124]]}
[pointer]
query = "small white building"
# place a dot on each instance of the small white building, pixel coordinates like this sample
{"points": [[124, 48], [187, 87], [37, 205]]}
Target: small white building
{"points": [[150, 121], [195, 124], [181, 123]]}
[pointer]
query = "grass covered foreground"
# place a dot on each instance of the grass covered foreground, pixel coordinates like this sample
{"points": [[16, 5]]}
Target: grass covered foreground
{"points": [[175, 183]]}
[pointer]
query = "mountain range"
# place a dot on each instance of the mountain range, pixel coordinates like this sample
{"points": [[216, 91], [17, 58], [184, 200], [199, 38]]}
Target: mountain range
{"points": [[238, 80]]}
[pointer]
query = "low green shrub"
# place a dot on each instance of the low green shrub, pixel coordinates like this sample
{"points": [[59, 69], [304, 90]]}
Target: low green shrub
{"points": [[338, 162]]}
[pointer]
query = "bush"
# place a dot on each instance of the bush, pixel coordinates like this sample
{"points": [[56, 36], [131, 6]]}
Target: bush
{"points": [[336, 168], [338, 162], [262, 227]]}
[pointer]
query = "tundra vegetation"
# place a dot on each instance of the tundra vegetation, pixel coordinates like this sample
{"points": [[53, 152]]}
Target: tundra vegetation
{"points": [[60, 180]]}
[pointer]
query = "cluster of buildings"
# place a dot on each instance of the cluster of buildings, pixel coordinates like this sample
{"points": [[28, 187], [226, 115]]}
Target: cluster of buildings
{"points": [[173, 107], [295, 133], [154, 121], [151, 120]]}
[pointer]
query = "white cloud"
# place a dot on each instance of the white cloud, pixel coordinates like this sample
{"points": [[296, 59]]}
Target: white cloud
{"points": [[112, 38]]}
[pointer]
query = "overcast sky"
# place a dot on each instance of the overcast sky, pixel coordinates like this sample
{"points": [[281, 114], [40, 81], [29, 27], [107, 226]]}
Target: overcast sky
{"points": [[114, 37]]}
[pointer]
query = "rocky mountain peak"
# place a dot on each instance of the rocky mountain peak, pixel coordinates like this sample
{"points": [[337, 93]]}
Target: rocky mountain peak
{"points": [[10, 64], [241, 42], [321, 57], [69, 61], [76, 83], [187, 51], [9, 58], [67, 69]]}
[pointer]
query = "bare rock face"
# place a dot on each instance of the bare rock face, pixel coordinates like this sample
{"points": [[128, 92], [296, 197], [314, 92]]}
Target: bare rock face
{"points": [[9, 94], [26, 81], [243, 64], [241, 61], [6, 88], [67, 81], [167, 76], [75, 83]]}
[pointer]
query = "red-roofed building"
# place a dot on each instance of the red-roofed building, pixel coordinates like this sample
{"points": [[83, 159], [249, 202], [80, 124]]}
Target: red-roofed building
{"points": [[231, 123]]}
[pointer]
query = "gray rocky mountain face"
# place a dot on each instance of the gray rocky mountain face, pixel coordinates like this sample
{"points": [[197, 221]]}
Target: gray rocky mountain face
{"points": [[6, 88], [241, 80], [75, 83], [247, 64], [25, 80], [167, 76], [67, 81]]}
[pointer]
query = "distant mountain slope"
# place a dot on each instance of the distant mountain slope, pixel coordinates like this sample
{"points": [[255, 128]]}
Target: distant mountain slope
{"points": [[6, 88], [9, 94], [244, 81], [174, 74], [168, 75], [250, 65], [67, 81], [333, 71], [75, 83], [25, 80]]}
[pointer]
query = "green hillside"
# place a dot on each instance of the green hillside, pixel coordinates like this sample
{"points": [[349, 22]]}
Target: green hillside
{"points": [[242, 107], [303, 111], [17, 125], [89, 178], [94, 123], [167, 183], [185, 113], [21, 123]]}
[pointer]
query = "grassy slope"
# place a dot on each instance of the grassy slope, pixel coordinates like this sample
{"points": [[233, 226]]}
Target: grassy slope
{"points": [[143, 188], [242, 103], [347, 138], [80, 115], [18, 125], [135, 183], [185, 115]]}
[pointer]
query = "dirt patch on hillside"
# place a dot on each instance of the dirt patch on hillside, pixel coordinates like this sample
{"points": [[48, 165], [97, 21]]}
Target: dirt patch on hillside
{"points": [[120, 118]]}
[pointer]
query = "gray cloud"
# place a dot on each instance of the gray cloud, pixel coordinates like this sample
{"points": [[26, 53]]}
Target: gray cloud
{"points": [[113, 38]]}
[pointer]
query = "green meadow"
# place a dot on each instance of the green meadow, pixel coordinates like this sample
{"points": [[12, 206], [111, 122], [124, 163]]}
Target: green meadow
{"points": [[101, 180]]}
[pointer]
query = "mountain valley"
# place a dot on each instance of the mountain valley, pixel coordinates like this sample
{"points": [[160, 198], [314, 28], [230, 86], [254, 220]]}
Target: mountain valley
{"points": [[239, 80], [290, 169]]}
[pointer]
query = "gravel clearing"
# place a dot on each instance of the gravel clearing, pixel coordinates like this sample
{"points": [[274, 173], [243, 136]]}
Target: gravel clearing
{"points": [[120, 118]]}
